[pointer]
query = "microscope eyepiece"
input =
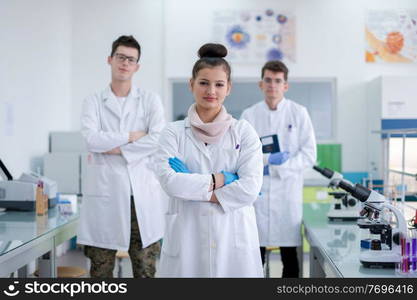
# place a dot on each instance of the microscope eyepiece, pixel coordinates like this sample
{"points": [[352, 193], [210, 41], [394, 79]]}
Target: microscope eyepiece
{"points": [[324, 171]]}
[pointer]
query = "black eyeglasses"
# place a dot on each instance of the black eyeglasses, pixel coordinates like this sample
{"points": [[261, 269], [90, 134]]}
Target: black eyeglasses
{"points": [[121, 58]]}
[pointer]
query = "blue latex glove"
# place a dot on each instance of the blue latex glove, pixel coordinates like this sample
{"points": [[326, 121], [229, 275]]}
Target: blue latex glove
{"points": [[266, 170], [278, 158], [229, 177], [177, 165]]}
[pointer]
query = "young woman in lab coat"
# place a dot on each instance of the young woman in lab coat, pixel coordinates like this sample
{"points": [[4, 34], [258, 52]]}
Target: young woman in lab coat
{"points": [[210, 165]]}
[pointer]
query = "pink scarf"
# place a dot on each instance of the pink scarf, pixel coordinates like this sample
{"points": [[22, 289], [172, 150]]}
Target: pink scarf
{"points": [[209, 133]]}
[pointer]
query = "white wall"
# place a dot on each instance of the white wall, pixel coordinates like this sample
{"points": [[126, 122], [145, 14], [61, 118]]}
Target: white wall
{"points": [[53, 54], [95, 25], [330, 43], [35, 91]]}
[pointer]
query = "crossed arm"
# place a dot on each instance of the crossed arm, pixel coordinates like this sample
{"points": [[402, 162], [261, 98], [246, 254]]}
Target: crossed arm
{"points": [[220, 179], [133, 137], [134, 145]]}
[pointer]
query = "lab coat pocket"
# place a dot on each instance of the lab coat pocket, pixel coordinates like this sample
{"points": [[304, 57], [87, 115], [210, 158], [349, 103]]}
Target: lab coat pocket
{"points": [[171, 242], [290, 140], [246, 232], [230, 157], [140, 124], [96, 181]]}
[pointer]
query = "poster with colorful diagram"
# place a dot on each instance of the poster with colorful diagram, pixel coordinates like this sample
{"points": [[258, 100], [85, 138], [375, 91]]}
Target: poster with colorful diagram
{"points": [[391, 36], [255, 36]]}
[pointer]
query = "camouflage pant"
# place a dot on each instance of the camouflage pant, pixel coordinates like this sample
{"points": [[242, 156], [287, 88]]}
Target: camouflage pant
{"points": [[143, 259]]}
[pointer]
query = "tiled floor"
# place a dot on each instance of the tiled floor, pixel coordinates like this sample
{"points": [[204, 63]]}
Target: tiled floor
{"points": [[77, 258], [276, 265]]}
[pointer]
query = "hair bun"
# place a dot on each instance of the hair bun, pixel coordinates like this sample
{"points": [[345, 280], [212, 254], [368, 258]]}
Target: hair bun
{"points": [[212, 50]]}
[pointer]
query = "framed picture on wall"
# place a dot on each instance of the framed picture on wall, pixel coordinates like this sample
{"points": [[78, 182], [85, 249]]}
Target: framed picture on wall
{"points": [[391, 36]]}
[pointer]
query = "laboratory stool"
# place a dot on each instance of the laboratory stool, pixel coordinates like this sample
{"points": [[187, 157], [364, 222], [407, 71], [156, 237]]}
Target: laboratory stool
{"points": [[70, 272], [67, 272], [268, 251], [120, 255]]}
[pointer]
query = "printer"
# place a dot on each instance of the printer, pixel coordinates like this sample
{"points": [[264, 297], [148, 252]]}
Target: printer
{"points": [[50, 187], [17, 195], [21, 194]]}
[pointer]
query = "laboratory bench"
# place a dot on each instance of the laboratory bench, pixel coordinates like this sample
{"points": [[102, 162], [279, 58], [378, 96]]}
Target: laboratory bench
{"points": [[335, 246], [25, 237]]}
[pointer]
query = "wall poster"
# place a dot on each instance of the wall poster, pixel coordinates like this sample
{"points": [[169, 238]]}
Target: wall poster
{"points": [[255, 36], [391, 36]]}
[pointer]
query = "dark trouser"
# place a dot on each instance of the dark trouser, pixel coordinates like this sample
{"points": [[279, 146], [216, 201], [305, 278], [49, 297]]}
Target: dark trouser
{"points": [[143, 259], [289, 260]]}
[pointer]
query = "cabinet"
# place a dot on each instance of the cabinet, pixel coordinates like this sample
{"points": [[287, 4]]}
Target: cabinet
{"points": [[391, 105]]}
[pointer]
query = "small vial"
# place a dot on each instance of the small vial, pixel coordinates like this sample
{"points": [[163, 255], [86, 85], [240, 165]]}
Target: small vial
{"points": [[402, 266], [413, 255]]}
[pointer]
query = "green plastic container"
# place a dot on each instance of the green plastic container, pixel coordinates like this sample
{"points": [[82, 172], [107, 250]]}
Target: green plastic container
{"points": [[330, 156]]}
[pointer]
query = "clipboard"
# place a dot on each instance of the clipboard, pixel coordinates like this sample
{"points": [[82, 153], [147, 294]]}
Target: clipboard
{"points": [[270, 144]]}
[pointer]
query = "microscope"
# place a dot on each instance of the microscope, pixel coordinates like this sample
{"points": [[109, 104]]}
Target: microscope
{"points": [[385, 251], [343, 206]]}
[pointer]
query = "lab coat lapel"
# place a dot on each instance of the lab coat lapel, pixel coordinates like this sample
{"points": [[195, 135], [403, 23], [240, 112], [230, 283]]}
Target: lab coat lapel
{"points": [[131, 102], [277, 117], [199, 144], [110, 102]]}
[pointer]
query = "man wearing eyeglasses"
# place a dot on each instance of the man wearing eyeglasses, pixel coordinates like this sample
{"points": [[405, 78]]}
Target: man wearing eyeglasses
{"points": [[289, 147], [123, 204]]}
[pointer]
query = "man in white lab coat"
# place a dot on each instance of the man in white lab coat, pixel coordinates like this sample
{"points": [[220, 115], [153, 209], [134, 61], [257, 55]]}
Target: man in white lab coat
{"points": [[289, 146], [122, 205]]}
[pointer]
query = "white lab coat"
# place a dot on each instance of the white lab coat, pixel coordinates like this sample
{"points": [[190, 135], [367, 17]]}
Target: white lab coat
{"points": [[105, 212], [279, 208], [203, 239]]}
